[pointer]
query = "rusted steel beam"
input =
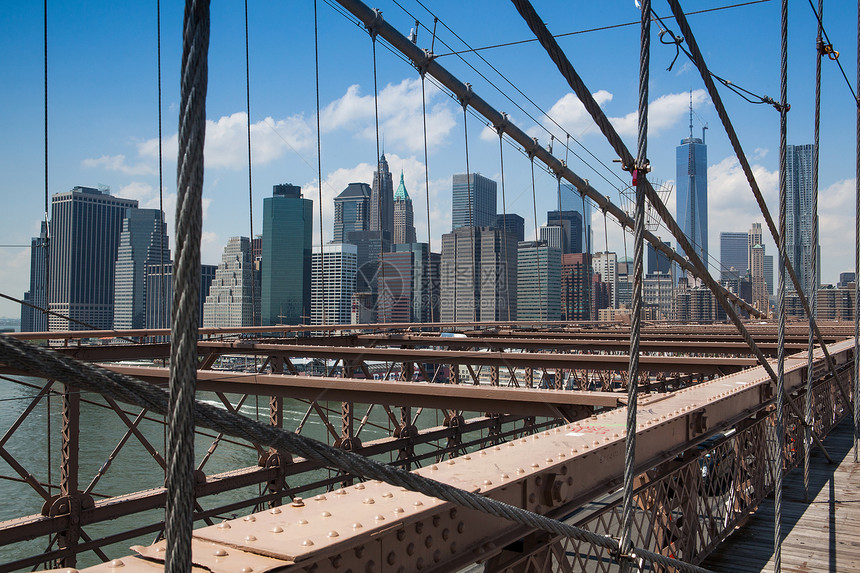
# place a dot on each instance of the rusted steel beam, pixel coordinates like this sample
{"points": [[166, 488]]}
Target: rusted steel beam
{"points": [[483, 398]]}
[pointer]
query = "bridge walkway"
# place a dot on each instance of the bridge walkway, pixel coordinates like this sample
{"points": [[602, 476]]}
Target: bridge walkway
{"points": [[823, 536]]}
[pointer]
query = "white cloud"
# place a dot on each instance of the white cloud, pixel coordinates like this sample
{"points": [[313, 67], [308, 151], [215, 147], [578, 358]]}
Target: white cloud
{"points": [[118, 163], [663, 112], [400, 115], [572, 116]]}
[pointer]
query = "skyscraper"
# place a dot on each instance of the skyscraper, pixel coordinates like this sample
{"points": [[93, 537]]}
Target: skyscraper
{"points": [[691, 195], [230, 302], [799, 209], [85, 229], [658, 262], [734, 255], [287, 238], [351, 211], [571, 200], [473, 201], [143, 242], [760, 298], [513, 223], [571, 222], [404, 224], [538, 281], [336, 282], [33, 319], [382, 200], [478, 275], [159, 316], [606, 264], [575, 286], [421, 299]]}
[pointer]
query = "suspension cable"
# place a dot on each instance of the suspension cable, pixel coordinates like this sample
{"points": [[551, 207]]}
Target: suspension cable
{"points": [[537, 245], [828, 47], [380, 217], [472, 229], [857, 263], [505, 216], [319, 164], [179, 504], [163, 316], [587, 264], [46, 245], [780, 383], [429, 262], [250, 186], [813, 275]]}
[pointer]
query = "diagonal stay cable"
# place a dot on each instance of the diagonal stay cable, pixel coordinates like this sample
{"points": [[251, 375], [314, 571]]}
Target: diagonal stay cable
{"points": [[699, 60], [537, 26], [49, 364]]}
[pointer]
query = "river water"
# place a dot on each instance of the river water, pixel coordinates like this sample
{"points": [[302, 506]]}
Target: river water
{"points": [[133, 469]]}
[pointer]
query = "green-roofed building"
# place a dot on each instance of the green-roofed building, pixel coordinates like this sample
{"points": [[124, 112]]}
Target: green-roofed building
{"points": [[404, 226]]}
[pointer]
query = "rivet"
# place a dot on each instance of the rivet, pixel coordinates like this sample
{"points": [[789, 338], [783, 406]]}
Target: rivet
{"points": [[535, 465], [392, 558], [437, 556], [428, 541], [250, 518], [246, 570], [398, 510], [387, 494], [520, 471], [359, 486], [410, 549], [319, 498], [220, 552], [606, 439], [504, 476], [523, 441], [277, 529], [584, 446], [461, 527], [451, 462], [368, 500], [560, 455], [275, 510], [596, 443], [434, 467], [483, 453], [333, 534], [549, 460], [297, 502], [250, 538], [454, 547], [615, 435], [436, 520], [302, 522], [379, 518], [511, 444], [418, 503], [445, 534], [224, 525], [573, 450], [376, 481], [116, 563], [535, 437], [357, 525], [159, 549], [487, 482], [326, 514], [497, 448], [341, 491], [307, 543]]}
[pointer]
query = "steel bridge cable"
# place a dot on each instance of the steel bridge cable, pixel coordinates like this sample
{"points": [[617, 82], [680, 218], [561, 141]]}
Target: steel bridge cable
{"points": [[319, 163], [518, 90], [379, 214], [50, 364], [250, 186], [832, 54], [537, 248], [780, 384], [472, 229], [536, 24], [698, 60], [432, 301], [505, 216], [163, 316], [813, 282], [857, 262], [183, 341]]}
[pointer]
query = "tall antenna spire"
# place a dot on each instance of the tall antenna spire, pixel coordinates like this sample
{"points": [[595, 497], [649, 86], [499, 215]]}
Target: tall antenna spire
{"points": [[691, 114]]}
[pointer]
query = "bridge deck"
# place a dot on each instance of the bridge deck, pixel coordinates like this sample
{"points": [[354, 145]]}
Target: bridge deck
{"points": [[821, 536]]}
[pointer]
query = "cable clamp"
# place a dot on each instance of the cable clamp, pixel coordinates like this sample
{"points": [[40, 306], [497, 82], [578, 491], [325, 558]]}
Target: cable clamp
{"points": [[373, 27], [780, 107], [464, 101], [500, 127], [827, 50], [425, 63], [533, 151]]}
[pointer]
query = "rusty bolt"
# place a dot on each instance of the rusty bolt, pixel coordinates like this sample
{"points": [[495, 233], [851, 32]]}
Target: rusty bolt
{"points": [[392, 558], [461, 527], [410, 549], [428, 541], [445, 534]]}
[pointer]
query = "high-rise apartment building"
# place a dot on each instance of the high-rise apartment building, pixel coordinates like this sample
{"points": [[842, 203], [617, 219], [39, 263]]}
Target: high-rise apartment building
{"points": [[606, 264], [473, 201], [33, 319], [768, 273], [556, 236], [538, 281], [760, 299], [404, 218], [571, 200], [799, 212], [691, 191], [332, 286], [478, 275], [658, 292], [158, 306], [576, 295], [142, 242], [231, 299], [351, 211], [734, 256], [382, 200], [513, 223], [85, 231], [286, 275]]}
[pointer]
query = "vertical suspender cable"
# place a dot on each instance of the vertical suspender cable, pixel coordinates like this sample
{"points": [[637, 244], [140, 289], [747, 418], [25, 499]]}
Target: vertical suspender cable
{"points": [[429, 262], [587, 263], [537, 243], [780, 381], [319, 162], [163, 315], [379, 214], [472, 230], [639, 173], [505, 215], [250, 185], [857, 261], [183, 340], [46, 243], [813, 261]]}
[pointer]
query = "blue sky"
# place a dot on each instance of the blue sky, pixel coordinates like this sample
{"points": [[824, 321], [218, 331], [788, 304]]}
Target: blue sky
{"points": [[103, 110]]}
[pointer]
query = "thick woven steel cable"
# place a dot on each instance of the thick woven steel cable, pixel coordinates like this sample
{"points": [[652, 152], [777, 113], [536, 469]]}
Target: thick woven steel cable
{"points": [[694, 262], [699, 61], [813, 275], [254, 301], [780, 383], [186, 290], [640, 171], [49, 364]]}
